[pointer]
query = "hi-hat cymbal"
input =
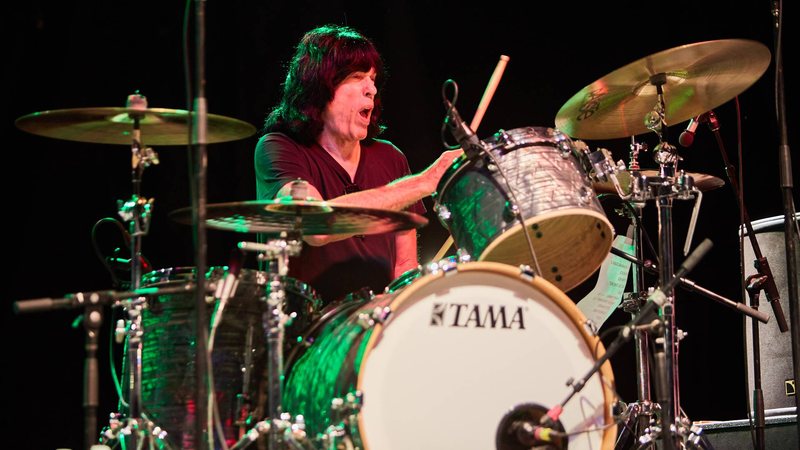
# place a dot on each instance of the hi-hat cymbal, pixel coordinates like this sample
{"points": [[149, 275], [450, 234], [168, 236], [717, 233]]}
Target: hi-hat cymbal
{"points": [[702, 181], [698, 78], [111, 125], [309, 217]]}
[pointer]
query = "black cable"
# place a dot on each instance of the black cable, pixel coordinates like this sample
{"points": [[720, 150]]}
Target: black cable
{"points": [[450, 105], [638, 223], [115, 281]]}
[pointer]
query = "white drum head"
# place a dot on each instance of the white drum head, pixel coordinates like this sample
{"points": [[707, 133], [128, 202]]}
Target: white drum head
{"points": [[462, 349]]}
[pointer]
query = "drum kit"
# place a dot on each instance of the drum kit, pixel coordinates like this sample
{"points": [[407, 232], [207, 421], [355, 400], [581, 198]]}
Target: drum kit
{"points": [[418, 365]]}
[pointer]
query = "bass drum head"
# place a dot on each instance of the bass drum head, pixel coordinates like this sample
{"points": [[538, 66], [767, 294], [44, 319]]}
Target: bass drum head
{"points": [[459, 351]]}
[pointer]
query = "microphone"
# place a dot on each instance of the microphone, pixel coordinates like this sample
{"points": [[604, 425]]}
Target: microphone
{"points": [[469, 142], [227, 288], [125, 263], [530, 435], [687, 137]]}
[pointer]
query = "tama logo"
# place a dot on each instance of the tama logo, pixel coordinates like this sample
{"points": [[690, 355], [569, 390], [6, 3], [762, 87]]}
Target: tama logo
{"points": [[463, 315]]}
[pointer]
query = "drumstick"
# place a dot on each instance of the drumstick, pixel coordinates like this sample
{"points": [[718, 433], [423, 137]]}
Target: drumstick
{"points": [[476, 121]]}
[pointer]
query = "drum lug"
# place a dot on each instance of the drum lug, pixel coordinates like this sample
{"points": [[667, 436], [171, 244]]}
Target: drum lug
{"points": [[381, 314], [463, 256], [577, 148], [590, 327], [344, 420], [367, 320], [585, 195], [527, 272], [446, 265], [443, 212]]}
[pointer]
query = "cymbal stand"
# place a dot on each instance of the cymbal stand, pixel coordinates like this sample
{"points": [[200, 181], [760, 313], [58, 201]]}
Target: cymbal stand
{"points": [[663, 189], [638, 415], [136, 212], [280, 428]]}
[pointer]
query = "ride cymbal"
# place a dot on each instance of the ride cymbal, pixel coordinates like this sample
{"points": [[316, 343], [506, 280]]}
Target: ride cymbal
{"points": [[112, 125], [697, 78], [309, 217]]}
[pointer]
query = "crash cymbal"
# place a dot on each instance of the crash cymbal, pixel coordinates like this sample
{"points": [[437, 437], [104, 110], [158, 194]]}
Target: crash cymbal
{"points": [[699, 77], [309, 217], [702, 181], [111, 125]]}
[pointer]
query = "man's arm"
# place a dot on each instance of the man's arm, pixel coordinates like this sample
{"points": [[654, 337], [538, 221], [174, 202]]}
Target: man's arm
{"points": [[394, 196], [407, 259]]}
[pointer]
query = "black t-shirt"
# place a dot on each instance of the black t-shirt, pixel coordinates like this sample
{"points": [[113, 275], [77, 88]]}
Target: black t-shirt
{"points": [[339, 268]]}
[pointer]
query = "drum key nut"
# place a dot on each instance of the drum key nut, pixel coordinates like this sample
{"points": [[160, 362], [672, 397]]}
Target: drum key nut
{"points": [[381, 314]]}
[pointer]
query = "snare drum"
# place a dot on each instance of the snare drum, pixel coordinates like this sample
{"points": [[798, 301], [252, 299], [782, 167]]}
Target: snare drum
{"points": [[238, 360], [544, 178], [441, 362]]}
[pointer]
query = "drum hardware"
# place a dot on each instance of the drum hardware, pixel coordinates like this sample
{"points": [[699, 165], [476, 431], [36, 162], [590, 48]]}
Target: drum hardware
{"points": [[544, 426], [291, 432], [93, 303], [127, 126], [285, 221], [344, 422], [702, 75], [761, 280]]}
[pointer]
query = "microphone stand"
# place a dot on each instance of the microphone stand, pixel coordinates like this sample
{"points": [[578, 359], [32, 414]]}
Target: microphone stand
{"points": [[656, 300], [691, 286], [787, 186], [93, 303], [755, 283], [766, 281], [761, 264], [198, 125]]}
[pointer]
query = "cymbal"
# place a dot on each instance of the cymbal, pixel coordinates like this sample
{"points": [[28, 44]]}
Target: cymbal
{"points": [[111, 125], [310, 217], [699, 77], [702, 181]]}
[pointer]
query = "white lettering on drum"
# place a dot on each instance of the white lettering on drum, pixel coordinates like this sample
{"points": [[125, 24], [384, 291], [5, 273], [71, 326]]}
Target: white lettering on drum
{"points": [[462, 315]]}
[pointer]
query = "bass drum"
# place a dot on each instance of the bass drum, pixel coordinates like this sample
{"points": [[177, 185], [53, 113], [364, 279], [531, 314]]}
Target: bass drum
{"points": [[445, 361]]}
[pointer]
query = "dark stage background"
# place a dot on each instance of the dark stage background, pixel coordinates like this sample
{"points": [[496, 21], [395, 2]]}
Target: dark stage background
{"points": [[93, 54]]}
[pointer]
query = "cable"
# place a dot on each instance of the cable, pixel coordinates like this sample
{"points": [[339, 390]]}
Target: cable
{"points": [[635, 216], [115, 281]]}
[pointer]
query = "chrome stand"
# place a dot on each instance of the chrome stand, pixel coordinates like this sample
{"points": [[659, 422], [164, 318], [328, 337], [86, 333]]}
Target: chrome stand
{"points": [[130, 424]]}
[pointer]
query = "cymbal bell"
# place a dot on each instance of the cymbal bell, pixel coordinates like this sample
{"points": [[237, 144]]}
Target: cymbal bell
{"points": [[112, 125], [698, 77], [702, 181], [309, 217]]}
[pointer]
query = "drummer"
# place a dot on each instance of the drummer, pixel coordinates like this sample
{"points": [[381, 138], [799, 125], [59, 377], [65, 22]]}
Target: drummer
{"points": [[324, 131]]}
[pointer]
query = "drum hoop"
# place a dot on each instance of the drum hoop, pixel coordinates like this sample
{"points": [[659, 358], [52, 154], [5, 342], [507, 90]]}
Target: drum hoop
{"points": [[170, 275], [554, 294], [510, 231]]}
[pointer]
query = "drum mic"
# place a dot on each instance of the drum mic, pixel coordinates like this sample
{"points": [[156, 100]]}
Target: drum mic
{"points": [[529, 426], [687, 137], [531, 435], [469, 142], [227, 288]]}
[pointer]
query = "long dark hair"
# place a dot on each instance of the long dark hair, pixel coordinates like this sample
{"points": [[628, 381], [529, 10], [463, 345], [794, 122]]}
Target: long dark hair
{"points": [[324, 57]]}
